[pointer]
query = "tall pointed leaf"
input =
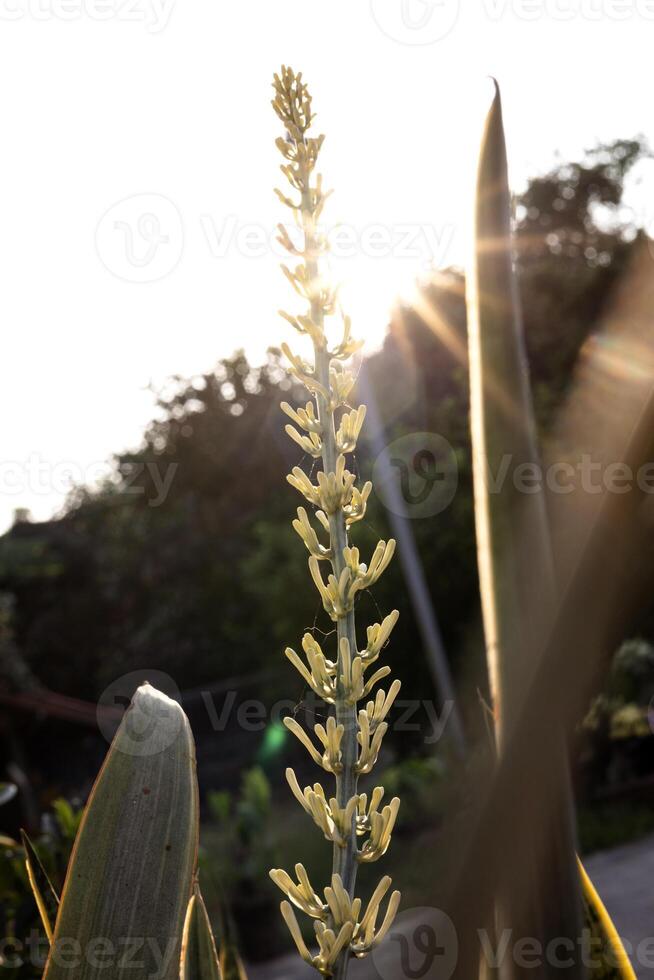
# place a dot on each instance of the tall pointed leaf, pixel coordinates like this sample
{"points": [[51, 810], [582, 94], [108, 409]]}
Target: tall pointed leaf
{"points": [[45, 896], [130, 875], [199, 956], [610, 959], [512, 533], [511, 525]]}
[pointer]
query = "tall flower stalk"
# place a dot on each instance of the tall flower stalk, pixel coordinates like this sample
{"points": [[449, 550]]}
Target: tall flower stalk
{"points": [[326, 430]]}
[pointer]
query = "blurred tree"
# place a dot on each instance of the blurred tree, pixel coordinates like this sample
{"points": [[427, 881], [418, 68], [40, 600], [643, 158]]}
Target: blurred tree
{"points": [[574, 240]]}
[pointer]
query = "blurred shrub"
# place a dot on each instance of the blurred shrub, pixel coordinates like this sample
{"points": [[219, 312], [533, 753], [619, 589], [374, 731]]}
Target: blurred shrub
{"points": [[238, 848], [616, 736], [607, 825], [421, 785], [19, 918]]}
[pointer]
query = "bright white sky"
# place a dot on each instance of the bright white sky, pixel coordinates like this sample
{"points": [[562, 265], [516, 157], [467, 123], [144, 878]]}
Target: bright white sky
{"points": [[166, 103]]}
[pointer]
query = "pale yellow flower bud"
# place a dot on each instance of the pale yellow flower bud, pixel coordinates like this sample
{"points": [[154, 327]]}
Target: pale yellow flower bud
{"points": [[370, 743], [365, 812], [301, 894], [381, 828], [377, 636], [379, 708], [367, 937], [304, 417], [356, 508], [349, 429], [320, 675], [330, 945], [331, 741], [342, 908], [289, 918], [302, 526], [310, 444]]}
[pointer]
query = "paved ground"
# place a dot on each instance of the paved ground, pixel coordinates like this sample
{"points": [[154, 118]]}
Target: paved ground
{"points": [[624, 877]]}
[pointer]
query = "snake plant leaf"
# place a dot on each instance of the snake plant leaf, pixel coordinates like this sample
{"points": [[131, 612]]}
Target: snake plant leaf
{"points": [[512, 528], [511, 525], [130, 875], [47, 900], [199, 956], [609, 959]]}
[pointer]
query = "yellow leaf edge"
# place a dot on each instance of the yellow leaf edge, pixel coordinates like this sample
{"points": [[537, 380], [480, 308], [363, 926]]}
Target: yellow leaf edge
{"points": [[622, 961]]}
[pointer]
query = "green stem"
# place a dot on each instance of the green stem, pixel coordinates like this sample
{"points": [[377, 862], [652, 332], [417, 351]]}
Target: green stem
{"points": [[344, 857], [345, 860]]}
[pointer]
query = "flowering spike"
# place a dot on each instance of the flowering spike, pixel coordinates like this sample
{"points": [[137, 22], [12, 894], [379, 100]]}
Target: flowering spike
{"points": [[327, 429]]}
